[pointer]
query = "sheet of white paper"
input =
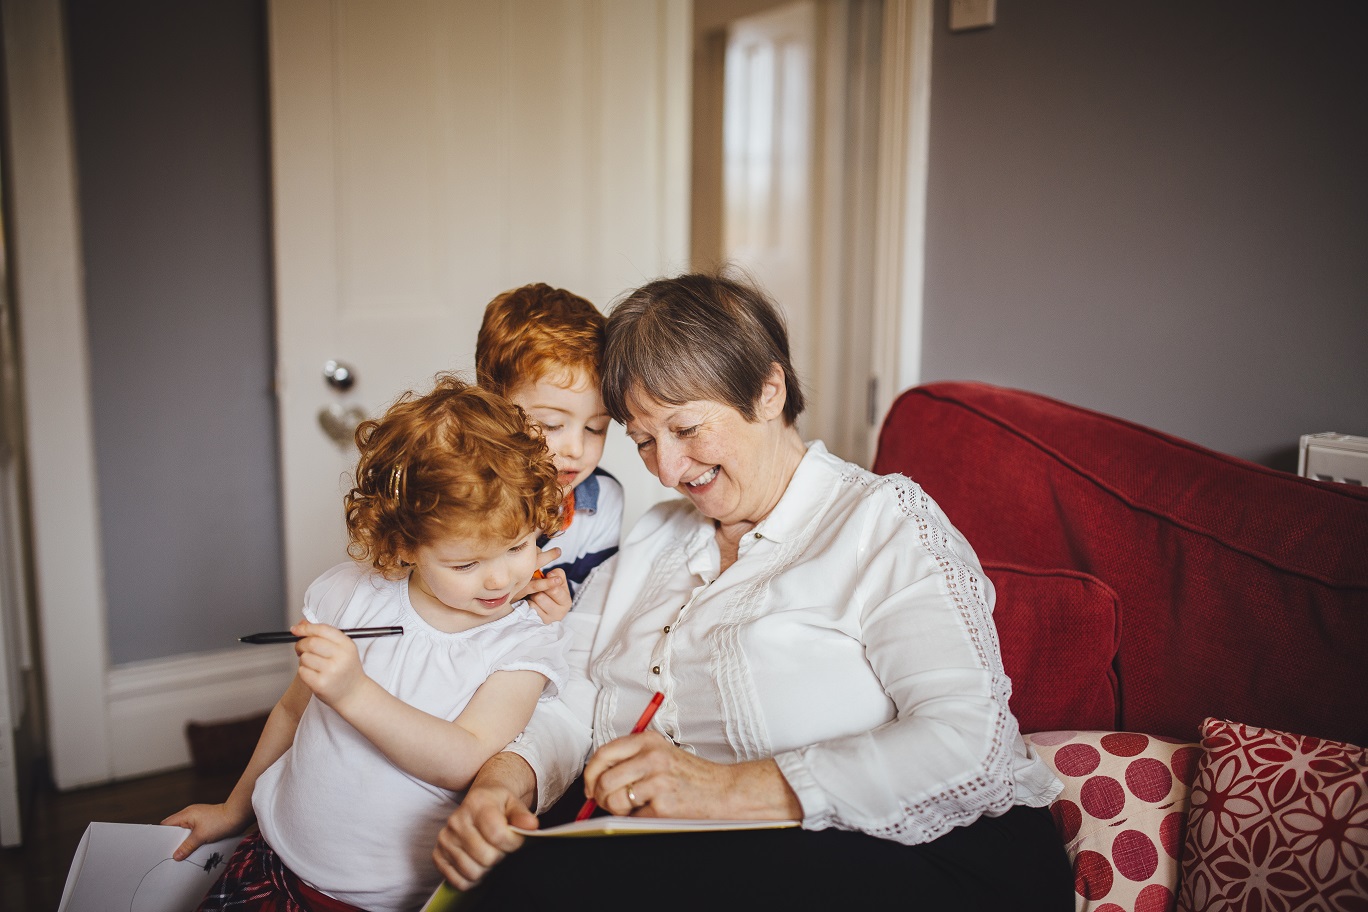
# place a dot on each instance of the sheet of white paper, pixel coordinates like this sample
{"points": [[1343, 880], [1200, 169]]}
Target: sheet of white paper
{"points": [[127, 867]]}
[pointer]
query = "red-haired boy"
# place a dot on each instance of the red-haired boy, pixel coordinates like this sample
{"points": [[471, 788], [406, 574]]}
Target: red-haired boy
{"points": [[540, 347]]}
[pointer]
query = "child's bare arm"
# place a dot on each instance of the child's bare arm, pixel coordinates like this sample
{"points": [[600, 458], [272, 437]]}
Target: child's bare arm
{"points": [[210, 822], [445, 754]]}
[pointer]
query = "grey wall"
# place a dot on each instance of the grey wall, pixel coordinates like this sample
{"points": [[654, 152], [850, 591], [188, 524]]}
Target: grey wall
{"points": [[1158, 210], [170, 107]]}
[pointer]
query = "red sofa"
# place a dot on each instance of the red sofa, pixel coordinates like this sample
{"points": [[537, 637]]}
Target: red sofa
{"points": [[1240, 591], [1145, 584]]}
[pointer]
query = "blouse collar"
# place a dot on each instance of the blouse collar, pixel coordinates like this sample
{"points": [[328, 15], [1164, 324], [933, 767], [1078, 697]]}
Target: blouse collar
{"points": [[808, 491]]}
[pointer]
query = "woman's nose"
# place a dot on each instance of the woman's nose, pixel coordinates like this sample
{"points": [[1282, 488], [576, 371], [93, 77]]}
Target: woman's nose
{"points": [[670, 463]]}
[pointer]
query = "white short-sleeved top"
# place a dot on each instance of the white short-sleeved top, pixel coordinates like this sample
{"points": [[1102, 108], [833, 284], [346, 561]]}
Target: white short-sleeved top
{"points": [[337, 811], [852, 641]]}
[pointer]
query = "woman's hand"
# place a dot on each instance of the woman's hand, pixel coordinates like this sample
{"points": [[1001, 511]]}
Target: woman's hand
{"points": [[207, 823], [329, 663], [646, 776], [477, 835]]}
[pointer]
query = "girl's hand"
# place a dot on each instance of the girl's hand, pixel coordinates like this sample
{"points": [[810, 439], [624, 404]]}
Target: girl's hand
{"points": [[329, 663], [477, 835], [207, 823], [549, 596], [667, 781]]}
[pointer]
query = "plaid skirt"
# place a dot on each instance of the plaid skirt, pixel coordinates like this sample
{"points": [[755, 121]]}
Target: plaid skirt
{"points": [[256, 880]]}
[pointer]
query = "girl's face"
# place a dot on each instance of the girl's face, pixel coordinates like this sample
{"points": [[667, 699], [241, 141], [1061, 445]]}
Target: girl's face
{"points": [[459, 582], [573, 421]]}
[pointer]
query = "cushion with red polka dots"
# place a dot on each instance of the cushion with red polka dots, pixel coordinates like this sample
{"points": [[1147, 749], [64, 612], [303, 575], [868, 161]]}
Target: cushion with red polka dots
{"points": [[1278, 822], [1121, 814]]}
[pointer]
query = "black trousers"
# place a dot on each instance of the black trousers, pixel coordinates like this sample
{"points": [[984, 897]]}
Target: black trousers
{"points": [[1014, 862]]}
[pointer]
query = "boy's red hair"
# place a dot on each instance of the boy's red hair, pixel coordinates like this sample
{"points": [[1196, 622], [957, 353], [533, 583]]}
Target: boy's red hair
{"points": [[536, 332]]}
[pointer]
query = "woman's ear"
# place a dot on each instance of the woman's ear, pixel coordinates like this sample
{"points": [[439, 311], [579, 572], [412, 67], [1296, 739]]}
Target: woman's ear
{"points": [[773, 394]]}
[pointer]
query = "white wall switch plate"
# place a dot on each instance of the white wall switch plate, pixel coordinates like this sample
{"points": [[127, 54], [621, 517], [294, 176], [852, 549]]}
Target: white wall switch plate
{"points": [[972, 14]]}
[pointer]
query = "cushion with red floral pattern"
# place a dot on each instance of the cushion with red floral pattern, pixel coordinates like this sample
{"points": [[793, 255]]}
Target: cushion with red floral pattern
{"points": [[1277, 822], [1121, 814]]}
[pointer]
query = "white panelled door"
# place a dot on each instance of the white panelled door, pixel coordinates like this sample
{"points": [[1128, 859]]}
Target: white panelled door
{"points": [[428, 155]]}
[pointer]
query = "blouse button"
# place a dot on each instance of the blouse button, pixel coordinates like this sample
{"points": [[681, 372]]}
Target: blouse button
{"points": [[758, 535], [667, 628], [655, 670]]}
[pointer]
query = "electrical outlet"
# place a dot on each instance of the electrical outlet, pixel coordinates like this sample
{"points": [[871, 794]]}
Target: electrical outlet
{"points": [[972, 14]]}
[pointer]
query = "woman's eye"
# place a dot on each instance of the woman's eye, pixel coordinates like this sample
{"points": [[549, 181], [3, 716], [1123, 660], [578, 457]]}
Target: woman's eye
{"points": [[642, 445], [687, 432]]}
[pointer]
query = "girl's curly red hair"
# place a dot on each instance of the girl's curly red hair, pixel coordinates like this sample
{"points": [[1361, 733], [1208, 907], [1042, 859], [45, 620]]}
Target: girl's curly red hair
{"points": [[458, 461]]}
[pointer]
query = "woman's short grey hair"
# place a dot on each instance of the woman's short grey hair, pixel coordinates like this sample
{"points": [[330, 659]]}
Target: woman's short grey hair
{"points": [[696, 337]]}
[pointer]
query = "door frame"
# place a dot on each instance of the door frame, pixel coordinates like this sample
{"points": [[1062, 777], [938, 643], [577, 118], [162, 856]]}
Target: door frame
{"points": [[899, 216], [50, 307], [904, 167]]}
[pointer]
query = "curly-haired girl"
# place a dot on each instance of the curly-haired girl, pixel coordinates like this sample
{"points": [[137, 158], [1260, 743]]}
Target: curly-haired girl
{"points": [[361, 760]]}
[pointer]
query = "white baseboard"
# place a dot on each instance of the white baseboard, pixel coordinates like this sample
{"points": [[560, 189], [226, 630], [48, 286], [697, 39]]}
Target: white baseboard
{"points": [[150, 702]]}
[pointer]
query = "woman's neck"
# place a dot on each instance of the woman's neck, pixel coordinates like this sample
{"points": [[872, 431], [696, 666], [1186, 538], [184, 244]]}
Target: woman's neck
{"points": [[789, 450]]}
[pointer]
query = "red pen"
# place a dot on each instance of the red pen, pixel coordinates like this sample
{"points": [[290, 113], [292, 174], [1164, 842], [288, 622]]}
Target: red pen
{"points": [[637, 729]]}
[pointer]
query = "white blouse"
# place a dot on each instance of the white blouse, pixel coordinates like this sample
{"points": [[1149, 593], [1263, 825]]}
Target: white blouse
{"points": [[852, 641]]}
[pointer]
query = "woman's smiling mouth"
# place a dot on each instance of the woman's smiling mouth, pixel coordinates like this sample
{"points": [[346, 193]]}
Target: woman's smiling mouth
{"points": [[704, 479]]}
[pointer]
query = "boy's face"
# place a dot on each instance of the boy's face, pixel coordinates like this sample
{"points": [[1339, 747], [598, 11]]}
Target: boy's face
{"points": [[460, 582], [573, 420]]}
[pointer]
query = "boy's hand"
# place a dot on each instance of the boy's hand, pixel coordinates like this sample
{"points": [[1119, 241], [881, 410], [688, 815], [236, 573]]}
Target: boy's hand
{"points": [[207, 823], [329, 663], [549, 596]]}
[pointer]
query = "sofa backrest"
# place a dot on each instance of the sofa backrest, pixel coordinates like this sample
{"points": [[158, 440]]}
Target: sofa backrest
{"points": [[1242, 591]]}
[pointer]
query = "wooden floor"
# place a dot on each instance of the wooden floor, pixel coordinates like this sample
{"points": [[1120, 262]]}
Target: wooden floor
{"points": [[32, 876]]}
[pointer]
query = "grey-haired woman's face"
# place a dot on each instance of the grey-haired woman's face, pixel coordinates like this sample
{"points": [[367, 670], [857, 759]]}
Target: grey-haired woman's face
{"points": [[707, 451]]}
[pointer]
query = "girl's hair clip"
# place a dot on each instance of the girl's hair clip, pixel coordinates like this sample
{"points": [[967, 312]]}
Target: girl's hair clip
{"points": [[397, 482]]}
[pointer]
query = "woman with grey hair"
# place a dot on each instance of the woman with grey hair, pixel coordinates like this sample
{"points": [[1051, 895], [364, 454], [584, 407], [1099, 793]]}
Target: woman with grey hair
{"points": [[824, 643]]}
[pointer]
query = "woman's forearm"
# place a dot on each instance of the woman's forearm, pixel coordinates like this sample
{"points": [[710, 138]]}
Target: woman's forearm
{"points": [[759, 791], [508, 771]]}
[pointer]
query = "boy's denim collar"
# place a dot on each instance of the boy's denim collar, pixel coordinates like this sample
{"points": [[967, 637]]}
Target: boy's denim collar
{"points": [[587, 494]]}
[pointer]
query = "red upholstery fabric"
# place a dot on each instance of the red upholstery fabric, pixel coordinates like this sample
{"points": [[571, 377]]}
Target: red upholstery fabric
{"points": [[1243, 590], [1059, 632]]}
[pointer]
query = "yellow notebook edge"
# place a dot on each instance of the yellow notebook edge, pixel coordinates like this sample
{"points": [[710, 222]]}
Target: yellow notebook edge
{"points": [[645, 826]]}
